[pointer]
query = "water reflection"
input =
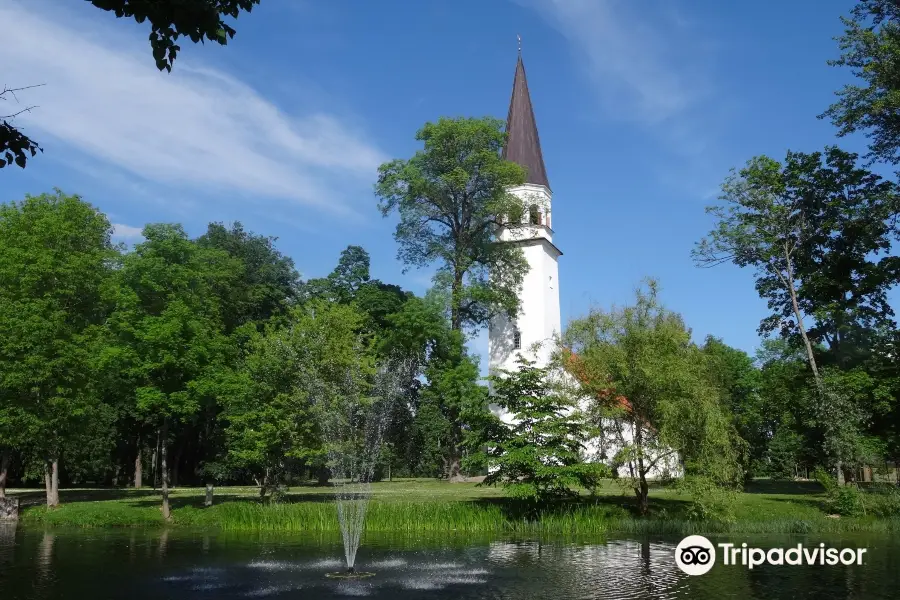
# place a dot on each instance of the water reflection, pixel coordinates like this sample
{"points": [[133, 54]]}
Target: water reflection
{"points": [[7, 544], [179, 565], [45, 575], [618, 569]]}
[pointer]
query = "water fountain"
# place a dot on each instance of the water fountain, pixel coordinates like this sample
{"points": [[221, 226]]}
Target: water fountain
{"points": [[354, 429]]}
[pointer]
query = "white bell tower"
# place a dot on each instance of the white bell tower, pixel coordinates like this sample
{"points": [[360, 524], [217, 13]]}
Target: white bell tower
{"points": [[539, 317]]}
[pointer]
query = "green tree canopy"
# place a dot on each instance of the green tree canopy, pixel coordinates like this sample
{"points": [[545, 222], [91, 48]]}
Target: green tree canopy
{"points": [[170, 335], [451, 197], [539, 456], [653, 397], [293, 372], [870, 48], [268, 283], [56, 259]]}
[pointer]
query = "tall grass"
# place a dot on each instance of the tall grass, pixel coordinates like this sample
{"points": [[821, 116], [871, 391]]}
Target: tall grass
{"points": [[493, 519], [431, 509]]}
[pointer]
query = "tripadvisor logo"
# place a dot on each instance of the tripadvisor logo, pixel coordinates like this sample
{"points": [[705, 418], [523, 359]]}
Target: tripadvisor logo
{"points": [[696, 555]]}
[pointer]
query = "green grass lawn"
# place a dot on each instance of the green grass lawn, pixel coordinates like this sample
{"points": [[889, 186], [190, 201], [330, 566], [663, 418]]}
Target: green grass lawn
{"points": [[427, 505]]}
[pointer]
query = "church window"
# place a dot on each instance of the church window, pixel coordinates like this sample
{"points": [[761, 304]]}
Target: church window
{"points": [[534, 215], [517, 340]]}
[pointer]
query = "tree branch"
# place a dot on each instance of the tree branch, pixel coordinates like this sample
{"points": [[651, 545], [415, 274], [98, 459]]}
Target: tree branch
{"points": [[12, 93]]}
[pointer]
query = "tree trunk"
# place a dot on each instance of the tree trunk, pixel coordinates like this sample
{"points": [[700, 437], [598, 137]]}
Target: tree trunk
{"points": [[799, 316], [154, 462], [644, 496], [164, 471], [54, 480], [388, 465], [51, 482], [455, 300], [4, 471], [138, 467], [324, 476], [264, 485], [820, 386], [453, 466], [642, 490], [47, 481]]}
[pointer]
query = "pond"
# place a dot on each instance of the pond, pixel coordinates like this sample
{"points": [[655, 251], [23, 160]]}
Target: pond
{"points": [[138, 565]]}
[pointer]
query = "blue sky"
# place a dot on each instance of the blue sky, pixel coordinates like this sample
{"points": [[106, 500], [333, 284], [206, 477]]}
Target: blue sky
{"points": [[642, 108]]}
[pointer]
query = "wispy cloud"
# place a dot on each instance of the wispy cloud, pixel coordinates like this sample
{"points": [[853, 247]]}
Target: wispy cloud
{"points": [[127, 233], [196, 127], [648, 64]]}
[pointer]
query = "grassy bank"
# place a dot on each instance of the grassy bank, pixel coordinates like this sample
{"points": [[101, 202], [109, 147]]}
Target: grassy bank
{"points": [[426, 506]]}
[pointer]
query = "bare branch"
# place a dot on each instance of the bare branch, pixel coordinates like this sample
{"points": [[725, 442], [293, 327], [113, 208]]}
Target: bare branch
{"points": [[12, 93], [16, 114]]}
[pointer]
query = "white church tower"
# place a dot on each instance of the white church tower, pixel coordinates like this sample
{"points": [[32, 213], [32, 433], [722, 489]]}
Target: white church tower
{"points": [[539, 316]]}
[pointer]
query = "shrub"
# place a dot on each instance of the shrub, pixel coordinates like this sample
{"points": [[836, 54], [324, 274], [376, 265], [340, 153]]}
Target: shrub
{"points": [[710, 500], [883, 501], [847, 501], [825, 479]]}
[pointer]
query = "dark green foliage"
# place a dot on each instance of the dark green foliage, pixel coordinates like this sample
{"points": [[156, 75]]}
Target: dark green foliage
{"points": [[452, 399], [870, 47], [270, 405], [197, 20], [538, 458], [15, 146], [739, 380], [451, 197], [267, 283], [783, 454]]}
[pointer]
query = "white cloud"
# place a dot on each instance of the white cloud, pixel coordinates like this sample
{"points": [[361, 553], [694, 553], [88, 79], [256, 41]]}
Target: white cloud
{"points": [[127, 233], [646, 64], [195, 127]]}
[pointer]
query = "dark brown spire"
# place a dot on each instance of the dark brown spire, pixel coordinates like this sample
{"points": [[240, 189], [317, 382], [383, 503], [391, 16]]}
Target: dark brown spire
{"points": [[523, 146]]}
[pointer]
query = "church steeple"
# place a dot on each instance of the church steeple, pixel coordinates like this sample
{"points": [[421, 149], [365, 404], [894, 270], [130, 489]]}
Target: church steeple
{"points": [[523, 145]]}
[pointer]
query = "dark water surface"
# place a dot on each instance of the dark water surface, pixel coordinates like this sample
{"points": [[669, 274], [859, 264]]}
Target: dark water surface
{"points": [[138, 565]]}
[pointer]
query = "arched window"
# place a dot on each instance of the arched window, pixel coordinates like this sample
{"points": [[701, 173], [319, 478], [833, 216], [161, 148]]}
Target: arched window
{"points": [[517, 340], [534, 215]]}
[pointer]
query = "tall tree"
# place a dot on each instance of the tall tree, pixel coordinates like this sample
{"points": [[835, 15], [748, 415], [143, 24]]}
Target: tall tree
{"points": [[171, 337], [451, 197], [845, 264], [761, 224], [55, 266], [653, 397], [870, 47], [818, 230], [351, 282]]}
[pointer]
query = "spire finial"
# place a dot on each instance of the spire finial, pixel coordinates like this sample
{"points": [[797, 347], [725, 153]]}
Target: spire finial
{"points": [[519, 38]]}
